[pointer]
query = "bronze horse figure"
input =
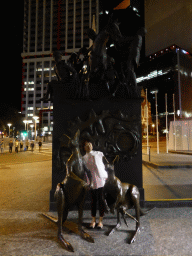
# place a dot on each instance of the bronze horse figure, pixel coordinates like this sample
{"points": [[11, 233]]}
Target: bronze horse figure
{"points": [[72, 191], [121, 196]]}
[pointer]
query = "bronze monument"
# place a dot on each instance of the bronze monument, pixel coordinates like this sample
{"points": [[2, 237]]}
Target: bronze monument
{"points": [[121, 197], [97, 97]]}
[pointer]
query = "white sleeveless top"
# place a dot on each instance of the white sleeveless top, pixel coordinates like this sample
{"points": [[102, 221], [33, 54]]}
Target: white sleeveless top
{"points": [[94, 162]]}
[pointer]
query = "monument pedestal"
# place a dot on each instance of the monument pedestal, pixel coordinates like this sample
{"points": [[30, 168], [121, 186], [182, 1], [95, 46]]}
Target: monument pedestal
{"points": [[108, 115]]}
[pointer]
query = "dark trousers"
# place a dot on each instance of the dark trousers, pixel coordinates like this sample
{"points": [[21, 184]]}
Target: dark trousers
{"points": [[96, 196]]}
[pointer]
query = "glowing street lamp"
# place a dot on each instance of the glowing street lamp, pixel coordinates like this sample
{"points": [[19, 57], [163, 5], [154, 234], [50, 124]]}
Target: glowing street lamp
{"points": [[9, 128], [32, 125], [35, 118], [25, 122], [147, 117], [166, 123], [153, 126]]}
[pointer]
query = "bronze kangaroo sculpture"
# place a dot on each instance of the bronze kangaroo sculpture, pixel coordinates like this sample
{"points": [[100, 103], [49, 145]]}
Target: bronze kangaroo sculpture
{"points": [[121, 196], [73, 191]]}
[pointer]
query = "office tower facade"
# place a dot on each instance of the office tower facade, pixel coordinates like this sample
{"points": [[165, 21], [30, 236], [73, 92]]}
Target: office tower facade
{"points": [[168, 71], [51, 25]]}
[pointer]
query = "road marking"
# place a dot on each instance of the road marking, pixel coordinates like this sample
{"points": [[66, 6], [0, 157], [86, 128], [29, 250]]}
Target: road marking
{"points": [[43, 153]]}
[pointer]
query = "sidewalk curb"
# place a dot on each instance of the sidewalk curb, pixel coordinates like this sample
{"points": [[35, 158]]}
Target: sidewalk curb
{"points": [[171, 166], [165, 203], [180, 152]]}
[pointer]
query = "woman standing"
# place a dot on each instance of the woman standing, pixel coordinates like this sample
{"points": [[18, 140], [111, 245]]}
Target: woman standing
{"points": [[95, 163]]}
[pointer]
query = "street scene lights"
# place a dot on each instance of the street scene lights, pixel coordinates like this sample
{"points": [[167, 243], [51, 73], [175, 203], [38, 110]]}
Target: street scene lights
{"points": [[9, 128], [35, 118]]}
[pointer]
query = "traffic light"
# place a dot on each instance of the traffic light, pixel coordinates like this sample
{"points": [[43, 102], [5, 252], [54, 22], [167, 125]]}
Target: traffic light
{"points": [[24, 133]]}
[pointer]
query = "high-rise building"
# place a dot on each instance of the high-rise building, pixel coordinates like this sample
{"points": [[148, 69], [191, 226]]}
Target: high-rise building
{"points": [[51, 25], [168, 71]]}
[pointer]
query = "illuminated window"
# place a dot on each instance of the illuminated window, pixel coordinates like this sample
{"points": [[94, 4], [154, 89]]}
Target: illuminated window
{"points": [[30, 82], [29, 89], [45, 69], [152, 74]]}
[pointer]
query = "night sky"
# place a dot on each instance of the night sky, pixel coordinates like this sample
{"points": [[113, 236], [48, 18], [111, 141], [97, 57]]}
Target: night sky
{"points": [[11, 37]]}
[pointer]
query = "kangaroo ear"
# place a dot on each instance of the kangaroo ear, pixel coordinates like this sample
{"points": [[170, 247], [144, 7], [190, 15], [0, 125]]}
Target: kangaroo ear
{"points": [[67, 136], [77, 134], [115, 159]]}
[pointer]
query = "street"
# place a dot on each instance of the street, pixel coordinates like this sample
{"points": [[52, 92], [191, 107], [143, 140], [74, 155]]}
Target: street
{"points": [[22, 174]]}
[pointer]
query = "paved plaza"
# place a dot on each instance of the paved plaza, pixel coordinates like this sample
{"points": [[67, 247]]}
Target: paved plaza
{"points": [[167, 176], [25, 181]]}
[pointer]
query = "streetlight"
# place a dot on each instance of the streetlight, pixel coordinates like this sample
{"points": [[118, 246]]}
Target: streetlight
{"points": [[32, 125], [147, 117], [179, 80], [9, 128], [25, 122], [35, 118], [153, 126], [155, 91], [166, 123], [174, 122]]}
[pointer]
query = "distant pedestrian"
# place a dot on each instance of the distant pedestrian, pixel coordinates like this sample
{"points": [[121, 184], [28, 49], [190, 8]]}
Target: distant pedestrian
{"points": [[16, 146], [10, 146], [21, 145], [2, 146], [40, 145], [27, 144], [32, 146]]}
